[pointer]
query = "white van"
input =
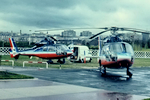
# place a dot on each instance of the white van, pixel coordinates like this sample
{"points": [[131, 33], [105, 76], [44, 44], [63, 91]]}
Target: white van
{"points": [[80, 53]]}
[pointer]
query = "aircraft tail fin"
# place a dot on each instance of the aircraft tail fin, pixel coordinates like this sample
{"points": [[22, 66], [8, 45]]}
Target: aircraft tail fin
{"points": [[13, 50]]}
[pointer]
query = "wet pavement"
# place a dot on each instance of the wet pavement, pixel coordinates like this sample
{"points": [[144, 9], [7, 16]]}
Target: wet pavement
{"points": [[48, 90], [114, 85]]}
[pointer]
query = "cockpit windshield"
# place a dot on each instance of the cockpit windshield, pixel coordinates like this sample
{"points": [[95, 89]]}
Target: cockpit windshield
{"points": [[129, 48], [116, 47], [121, 48], [62, 47]]}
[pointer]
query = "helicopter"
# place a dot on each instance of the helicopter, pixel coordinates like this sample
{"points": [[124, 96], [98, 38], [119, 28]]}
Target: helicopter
{"points": [[115, 53], [45, 49]]}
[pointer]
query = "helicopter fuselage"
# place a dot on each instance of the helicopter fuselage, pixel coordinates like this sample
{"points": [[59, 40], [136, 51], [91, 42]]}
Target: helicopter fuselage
{"points": [[49, 51], [46, 54], [117, 55]]}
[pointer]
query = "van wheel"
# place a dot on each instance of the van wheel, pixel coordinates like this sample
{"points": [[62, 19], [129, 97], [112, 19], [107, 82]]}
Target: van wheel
{"points": [[81, 61], [90, 60]]}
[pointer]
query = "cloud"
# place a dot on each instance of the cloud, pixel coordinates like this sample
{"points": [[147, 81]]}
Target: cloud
{"points": [[47, 14]]}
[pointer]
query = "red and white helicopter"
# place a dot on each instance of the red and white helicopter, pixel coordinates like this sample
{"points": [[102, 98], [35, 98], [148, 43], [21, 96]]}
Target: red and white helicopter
{"points": [[115, 53], [45, 49]]}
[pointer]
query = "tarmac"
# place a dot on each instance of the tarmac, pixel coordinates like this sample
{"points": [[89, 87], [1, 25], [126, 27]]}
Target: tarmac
{"points": [[37, 89]]}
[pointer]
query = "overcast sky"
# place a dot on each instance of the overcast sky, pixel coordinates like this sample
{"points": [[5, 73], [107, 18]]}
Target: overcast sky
{"points": [[25, 15]]}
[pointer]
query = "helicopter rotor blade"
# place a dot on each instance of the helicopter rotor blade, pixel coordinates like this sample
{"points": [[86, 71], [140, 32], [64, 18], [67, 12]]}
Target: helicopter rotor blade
{"points": [[58, 29], [98, 34], [138, 31], [130, 29], [53, 38]]}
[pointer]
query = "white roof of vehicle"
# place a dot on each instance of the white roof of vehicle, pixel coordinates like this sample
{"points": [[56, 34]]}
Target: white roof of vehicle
{"points": [[79, 46]]}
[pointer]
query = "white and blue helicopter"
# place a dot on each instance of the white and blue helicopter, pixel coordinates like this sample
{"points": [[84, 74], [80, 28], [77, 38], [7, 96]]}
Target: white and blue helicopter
{"points": [[115, 53], [45, 49]]}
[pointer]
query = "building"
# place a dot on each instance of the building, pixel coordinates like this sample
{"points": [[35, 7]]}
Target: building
{"points": [[38, 34], [69, 33], [4, 36], [86, 33]]}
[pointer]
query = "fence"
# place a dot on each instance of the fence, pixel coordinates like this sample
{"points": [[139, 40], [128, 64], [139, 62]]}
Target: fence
{"points": [[9, 61], [5, 50], [138, 54], [34, 62]]}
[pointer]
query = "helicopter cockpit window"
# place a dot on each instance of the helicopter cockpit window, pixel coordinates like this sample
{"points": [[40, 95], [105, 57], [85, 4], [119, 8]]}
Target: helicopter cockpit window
{"points": [[116, 47], [38, 49], [58, 47], [106, 50], [51, 48], [124, 48], [129, 48], [61, 48], [121, 48], [45, 49], [64, 47]]}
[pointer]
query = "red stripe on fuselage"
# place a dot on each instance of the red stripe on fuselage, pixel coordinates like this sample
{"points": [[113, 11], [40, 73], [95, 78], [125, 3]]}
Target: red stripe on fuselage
{"points": [[118, 62], [48, 56]]}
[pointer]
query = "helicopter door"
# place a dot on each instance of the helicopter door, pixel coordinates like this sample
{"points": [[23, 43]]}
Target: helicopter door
{"points": [[76, 52]]}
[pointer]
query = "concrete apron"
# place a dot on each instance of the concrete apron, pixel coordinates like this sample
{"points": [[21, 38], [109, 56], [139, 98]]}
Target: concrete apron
{"points": [[47, 90]]}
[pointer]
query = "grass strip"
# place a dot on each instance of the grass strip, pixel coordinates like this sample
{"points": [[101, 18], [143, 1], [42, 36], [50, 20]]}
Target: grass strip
{"points": [[138, 62], [9, 75]]}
